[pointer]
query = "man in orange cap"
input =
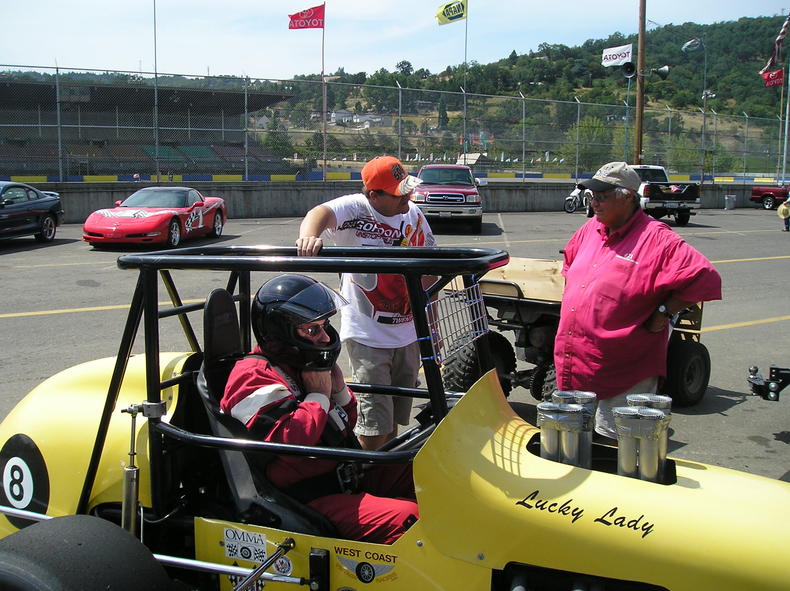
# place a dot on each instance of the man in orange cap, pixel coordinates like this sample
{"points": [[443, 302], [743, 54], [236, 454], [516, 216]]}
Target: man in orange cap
{"points": [[377, 329]]}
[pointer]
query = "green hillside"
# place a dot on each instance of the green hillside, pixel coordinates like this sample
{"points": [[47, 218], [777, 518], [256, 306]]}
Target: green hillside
{"points": [[736, 51]]}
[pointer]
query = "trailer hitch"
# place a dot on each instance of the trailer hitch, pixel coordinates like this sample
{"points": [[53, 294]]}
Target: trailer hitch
{"points": [[769, 389]]}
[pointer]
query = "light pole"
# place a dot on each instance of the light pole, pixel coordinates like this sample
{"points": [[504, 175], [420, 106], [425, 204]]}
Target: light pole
{"points": [[692, 46], [640, 85], [156, 106], [706, 94]]}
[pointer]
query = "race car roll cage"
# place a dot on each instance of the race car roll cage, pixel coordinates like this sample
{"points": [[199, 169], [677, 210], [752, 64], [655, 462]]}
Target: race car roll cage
{"points": [[241, 261]]}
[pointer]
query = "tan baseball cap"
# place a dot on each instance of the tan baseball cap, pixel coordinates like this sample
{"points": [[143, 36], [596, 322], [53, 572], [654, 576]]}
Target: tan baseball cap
{"points": [[611, 175]]}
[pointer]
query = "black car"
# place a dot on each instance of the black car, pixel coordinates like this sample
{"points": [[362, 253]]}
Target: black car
{"points": [[25, 210]]}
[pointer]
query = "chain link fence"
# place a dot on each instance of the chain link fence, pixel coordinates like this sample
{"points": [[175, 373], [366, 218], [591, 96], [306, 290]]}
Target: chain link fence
{"points": [[67, 125]]}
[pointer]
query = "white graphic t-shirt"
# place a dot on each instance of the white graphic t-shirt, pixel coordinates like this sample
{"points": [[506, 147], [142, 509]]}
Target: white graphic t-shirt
{"points": [[379, 314]]}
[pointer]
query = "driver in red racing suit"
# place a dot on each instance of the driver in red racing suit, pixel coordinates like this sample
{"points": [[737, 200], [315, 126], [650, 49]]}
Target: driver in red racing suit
{"points": [[291, 390]]}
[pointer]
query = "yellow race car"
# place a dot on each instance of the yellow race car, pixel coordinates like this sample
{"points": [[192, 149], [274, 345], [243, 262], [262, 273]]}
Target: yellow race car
{"points": [[121, 473]]}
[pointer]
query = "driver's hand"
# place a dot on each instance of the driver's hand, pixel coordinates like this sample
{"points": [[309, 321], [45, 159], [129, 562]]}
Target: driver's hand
{"points": [[308, 246], [338, 381], [317, 381]]}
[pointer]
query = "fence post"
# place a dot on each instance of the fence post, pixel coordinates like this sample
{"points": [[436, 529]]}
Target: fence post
{"points": [[60, 127], [745, 144], [523, 138], [400, 118], [578, 128], [463, 90], [246, 131], [715, 148]]}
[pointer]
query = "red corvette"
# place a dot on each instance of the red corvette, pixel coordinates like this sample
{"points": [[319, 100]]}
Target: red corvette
{"points": [[157, 215]]}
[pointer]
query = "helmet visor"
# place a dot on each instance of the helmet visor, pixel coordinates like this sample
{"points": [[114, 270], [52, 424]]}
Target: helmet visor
{"points": [[312, 303]]}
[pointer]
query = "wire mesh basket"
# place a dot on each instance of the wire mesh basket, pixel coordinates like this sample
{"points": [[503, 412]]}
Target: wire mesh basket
{"points": [[456, 320]]}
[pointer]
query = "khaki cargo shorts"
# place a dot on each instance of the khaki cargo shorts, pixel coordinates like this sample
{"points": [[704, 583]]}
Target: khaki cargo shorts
{"points": [[379, 413]]}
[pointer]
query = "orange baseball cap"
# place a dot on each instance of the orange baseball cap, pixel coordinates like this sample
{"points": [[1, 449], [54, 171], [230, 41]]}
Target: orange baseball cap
{"points": [[386, 173]]}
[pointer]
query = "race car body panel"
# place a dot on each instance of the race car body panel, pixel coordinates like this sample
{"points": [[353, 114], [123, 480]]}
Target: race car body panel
{"points": [[492, 500], [47, 439]]}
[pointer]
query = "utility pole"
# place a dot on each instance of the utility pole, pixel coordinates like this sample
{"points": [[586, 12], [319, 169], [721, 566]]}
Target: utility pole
{"points": [[640, 85]]}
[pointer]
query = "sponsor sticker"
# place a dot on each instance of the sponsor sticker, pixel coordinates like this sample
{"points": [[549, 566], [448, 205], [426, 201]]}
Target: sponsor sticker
{"points": [[244, 545]]}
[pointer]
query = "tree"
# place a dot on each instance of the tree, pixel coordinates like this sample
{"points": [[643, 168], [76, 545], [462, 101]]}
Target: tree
{"points": [[405, 68], [276, 139], [443, 118], [594, 146]]}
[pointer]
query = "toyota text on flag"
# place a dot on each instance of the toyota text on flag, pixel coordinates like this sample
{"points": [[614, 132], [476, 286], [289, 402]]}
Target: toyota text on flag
{"points": [[774, 78], [616, 56], [451, 12], [312, 18]]}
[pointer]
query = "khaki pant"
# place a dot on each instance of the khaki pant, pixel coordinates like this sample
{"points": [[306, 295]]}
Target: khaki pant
{"points": [[379, 413]]}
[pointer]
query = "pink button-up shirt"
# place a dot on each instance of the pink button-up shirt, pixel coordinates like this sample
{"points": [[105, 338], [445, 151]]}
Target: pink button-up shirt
{"points": [[613, 283]]}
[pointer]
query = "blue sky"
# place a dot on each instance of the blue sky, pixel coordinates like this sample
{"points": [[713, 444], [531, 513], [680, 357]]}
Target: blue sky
{"points": [[251, 37]]}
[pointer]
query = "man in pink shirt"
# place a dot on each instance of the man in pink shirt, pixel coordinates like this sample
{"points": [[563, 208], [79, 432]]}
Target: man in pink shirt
{"points": [[626, 274]]}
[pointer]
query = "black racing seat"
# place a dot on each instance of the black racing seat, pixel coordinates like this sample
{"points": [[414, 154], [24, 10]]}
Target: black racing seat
{"points": [[256, 500]]}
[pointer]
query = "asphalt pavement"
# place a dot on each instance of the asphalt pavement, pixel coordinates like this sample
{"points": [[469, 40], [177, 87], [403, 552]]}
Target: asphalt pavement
{"points": [[65, 303]]}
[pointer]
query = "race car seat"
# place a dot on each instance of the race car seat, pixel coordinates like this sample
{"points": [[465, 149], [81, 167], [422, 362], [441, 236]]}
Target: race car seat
{"points": [[255, 498]]}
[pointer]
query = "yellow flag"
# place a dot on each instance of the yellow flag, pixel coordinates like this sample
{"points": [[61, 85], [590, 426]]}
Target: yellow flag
{"points": [[451, 12]]}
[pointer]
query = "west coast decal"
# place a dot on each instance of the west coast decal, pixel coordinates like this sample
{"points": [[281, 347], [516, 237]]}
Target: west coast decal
{"points": [[367, 565], [567, 509]]}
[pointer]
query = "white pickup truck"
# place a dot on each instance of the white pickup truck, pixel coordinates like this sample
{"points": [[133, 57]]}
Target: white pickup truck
{"points": [[661, 197]]}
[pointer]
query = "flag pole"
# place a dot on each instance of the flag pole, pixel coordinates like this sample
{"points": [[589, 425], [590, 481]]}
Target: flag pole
{"points": [[323, 89], [787, 114], [466, 36]]}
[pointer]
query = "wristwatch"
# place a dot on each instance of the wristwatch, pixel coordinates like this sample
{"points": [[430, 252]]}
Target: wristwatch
{"points": [[663, 310]]}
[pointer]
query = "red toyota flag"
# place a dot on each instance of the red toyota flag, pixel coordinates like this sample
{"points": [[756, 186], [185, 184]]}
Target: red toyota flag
{"points": [[312, 18], [774, 78]]}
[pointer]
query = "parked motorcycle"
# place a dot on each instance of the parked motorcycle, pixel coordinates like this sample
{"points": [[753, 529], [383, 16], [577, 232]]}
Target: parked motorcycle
{"points": [[577, 199]]}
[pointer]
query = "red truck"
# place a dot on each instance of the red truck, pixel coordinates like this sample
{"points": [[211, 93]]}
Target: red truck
{"points": [[769, 197], [449, 191]]}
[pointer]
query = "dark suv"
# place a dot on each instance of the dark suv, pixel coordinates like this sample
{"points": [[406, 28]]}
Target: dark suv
{"points": [[25, 210]]}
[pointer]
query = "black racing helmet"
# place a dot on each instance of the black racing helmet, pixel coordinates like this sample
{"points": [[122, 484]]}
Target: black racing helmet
{"points": [[282, 304]]}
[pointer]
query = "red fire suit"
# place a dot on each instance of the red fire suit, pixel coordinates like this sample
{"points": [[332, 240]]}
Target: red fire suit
{"points": [[259, 393]]}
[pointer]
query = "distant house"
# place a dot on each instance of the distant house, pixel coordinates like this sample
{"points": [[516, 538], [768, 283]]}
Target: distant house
{"points": [[262, 122], [473, 159], [341, 116]]}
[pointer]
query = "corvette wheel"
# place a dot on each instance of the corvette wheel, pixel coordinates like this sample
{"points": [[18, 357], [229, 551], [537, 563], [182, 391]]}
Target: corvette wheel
{"points": [[173, 233], [216, 231], [78, 552], [768, 202], [47, 231]]}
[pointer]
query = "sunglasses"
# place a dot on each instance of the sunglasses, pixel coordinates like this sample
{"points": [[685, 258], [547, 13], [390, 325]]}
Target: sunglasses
{"points": [[601, 196], [314, 329]]}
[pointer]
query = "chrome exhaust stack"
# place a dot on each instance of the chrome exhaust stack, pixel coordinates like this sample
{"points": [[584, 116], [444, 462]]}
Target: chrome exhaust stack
{"points": [[561, 433], [663, 403], [639, 432]]}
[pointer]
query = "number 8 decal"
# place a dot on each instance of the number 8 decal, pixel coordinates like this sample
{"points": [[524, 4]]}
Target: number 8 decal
{"points": [[17, 483], [25, 478]]}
